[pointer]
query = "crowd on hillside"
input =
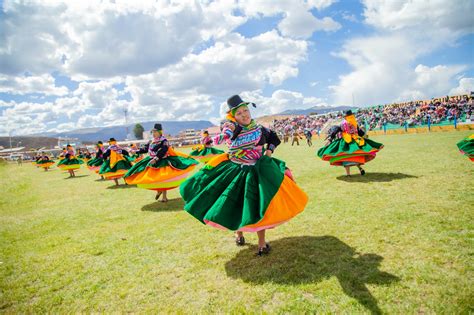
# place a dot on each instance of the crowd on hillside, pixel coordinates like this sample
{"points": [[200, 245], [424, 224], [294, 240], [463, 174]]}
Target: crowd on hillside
{"points": [[413, 113]]}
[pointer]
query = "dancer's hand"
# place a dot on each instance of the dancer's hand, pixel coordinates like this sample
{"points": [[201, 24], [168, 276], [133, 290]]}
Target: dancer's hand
{"points": [[229, 125], [268, 153], [152, 162]]}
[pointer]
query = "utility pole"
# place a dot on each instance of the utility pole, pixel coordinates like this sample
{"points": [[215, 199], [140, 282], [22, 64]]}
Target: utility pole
{"points": [[125, 113]]}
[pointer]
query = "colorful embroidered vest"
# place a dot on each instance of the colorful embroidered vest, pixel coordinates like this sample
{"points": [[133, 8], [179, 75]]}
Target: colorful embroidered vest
{"points": [[245, 149]]}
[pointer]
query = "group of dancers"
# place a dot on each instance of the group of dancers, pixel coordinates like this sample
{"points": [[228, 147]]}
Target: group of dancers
{"points": [[244, 189]]}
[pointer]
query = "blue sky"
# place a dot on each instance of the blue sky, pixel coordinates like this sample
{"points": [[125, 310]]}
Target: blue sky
{"points": [[74, 65]]}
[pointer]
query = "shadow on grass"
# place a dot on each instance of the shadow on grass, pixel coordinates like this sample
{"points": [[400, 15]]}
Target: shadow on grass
{"points": [[308, 259], [121, 186], [77, 176], [375, 177], [176, 204]]}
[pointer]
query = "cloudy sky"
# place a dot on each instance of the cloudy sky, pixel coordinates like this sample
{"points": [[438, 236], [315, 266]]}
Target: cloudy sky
{"points": [[76, 64]]}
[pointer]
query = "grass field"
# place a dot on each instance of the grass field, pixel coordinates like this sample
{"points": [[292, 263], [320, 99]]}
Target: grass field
{"points": [[398, 240]]}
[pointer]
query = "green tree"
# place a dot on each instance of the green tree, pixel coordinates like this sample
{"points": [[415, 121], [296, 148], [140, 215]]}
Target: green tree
{"points": [[138, 131]]}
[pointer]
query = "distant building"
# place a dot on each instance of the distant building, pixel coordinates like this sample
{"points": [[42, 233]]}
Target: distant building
{"points": [[75, 142], [130, 136], [12, 153], [189, 133], [147, 135], [214, 130], [185, 137]]}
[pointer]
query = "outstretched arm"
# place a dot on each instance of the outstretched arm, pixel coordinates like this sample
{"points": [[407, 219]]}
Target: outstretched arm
{"points": [[225, 135]]}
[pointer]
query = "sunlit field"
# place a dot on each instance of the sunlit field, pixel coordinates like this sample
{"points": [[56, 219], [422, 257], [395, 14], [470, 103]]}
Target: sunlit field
{"points": [[397, 240]]}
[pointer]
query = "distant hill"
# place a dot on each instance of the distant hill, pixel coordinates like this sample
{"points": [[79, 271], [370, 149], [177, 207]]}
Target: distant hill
{"points": [[316, 110], [29, 142], [119, 132]]}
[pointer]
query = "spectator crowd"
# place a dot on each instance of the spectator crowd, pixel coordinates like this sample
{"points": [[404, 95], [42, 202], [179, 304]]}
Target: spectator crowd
{"points": [[414, 113]]}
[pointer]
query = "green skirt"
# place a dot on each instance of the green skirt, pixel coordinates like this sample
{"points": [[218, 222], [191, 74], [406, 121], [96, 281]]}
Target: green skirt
{"points": [[97, 161], [236, 197], [466, 147], [119, 169], [341, 153], [134, 157], [66, 161], [45, 162], [205, 152]]}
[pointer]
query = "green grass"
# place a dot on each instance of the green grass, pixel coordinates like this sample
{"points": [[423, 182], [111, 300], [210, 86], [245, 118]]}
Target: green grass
{"points": [[399, 240]]}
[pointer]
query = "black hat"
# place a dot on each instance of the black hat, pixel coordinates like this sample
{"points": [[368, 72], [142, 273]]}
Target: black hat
{"points": [[235, 101], [157, 127], [206, 132], [348, 113], [99, 142], [112, 139]]}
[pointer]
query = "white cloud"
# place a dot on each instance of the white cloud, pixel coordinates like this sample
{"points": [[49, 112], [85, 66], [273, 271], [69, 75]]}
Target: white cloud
{"points": [[466, 86], [303, 24], [20, 85], [121, 43], [233, 64], [279, 101], [321, 4], [31, 38], [430, 82], [98, 39], [384, 65], [92, 104], [298, 21], [6, 104], [63, 127], [25, 118], [380, 69], [97, 94], [431, 16]]}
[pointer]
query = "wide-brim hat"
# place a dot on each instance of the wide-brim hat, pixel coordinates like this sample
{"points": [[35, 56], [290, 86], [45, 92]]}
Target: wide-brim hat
{"points": [[348, 113], [112, 139], [157, 127], [236, 101], [99, 142]]}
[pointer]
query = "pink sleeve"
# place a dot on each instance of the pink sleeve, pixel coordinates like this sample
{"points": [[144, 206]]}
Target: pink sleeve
{"points": [[225, 135]]}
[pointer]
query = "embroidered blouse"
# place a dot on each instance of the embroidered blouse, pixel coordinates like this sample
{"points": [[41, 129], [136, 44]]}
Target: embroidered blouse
{"points": [[246, 146]]}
